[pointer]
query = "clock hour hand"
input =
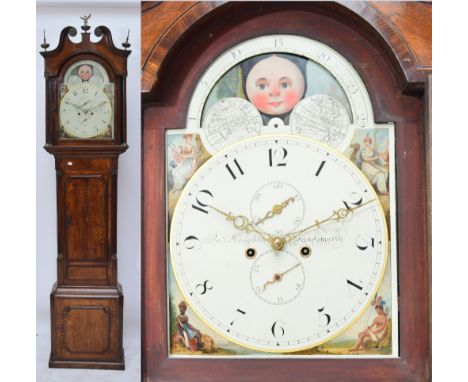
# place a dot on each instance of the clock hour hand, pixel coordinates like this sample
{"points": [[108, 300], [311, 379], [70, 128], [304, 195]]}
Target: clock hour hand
{"points": [[337, 215], [241, 223], [94, 107], [79, 107], [88, 101], [277, 209]]}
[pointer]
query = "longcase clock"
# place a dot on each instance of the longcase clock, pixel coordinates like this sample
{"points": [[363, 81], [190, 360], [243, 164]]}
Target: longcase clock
{"points": [[86, 133]]}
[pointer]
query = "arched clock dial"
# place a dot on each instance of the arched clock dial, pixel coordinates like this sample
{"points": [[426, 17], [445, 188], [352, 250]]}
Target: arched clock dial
{"points": [[293, 84], [269, 285], [85, 111], [86, 101]]}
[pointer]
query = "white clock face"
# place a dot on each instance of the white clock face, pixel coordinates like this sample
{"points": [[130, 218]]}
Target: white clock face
{"points": [[85, 111], [278, 243]]}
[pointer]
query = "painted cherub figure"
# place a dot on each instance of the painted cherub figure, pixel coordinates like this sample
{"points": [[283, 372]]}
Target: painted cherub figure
{"points": [[274, 84]]}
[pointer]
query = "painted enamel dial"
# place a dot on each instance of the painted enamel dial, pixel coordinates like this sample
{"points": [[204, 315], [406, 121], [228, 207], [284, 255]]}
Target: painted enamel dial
{"points": [[289, 289], [85, 111], [279, 76]]}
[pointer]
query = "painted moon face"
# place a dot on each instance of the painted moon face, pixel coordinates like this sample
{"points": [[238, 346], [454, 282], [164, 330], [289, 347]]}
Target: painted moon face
{"points": [[275, 85]]}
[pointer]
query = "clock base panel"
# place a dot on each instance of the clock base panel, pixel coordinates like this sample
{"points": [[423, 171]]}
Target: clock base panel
{"points": [[56, 364], [86, 325]]}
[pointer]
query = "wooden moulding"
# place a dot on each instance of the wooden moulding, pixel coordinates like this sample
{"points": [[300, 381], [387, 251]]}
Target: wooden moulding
{"points": [[56, 62], [402, 29]]}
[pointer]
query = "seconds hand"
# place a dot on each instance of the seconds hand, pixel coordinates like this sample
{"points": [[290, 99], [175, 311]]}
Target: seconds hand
{"points": [[279, 276]]}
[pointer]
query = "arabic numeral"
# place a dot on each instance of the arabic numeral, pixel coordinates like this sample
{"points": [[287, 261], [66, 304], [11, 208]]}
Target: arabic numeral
{"points": [[324, 318], [204, 287], [352, 87], [277, 156], [242, 314], [236, 53], [362, 120], [322, 56], [191, 242], [202, 200], [354, 200], [232, 171], [279, 42], [277, 329], [364, 242]]}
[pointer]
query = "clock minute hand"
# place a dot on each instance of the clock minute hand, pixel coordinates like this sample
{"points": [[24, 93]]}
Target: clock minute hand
{"points": [[338, 215], [81, 107], [241, 223]]}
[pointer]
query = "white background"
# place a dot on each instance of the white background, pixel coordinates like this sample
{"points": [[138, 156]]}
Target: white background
{"points": [[18, 192], [119, 17]]}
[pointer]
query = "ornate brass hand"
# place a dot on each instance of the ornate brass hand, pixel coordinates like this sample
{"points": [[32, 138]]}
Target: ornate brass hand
{"points": [[79, 107], [338, 215], [94, 107], [241, 223], [279, 276], [275, 210]]}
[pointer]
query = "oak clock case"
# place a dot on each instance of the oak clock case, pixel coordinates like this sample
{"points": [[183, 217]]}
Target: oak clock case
{"points": [[226, 287], [86, 133]]}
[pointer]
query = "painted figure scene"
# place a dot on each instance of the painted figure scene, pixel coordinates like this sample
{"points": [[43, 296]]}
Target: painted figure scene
{"points": [[370, 151]]}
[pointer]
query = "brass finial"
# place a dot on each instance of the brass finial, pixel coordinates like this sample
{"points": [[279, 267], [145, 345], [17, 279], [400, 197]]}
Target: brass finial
{"points": [[45, 45], [126, 44], [85, 25]]}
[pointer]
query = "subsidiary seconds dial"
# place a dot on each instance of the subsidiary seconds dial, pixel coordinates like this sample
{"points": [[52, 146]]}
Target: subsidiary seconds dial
{"points": [[256, 270]]}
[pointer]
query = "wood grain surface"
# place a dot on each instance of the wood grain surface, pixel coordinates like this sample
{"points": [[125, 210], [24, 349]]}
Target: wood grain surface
{"points": [[404, 28]]}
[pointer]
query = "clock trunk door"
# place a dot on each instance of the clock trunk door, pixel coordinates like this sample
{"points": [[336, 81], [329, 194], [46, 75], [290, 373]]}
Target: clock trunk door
{"points": [[85, 227]]}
